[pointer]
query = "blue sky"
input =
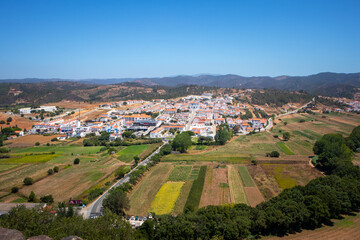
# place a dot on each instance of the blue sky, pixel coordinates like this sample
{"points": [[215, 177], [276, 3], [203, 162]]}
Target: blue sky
{"points": [[110, 39]]}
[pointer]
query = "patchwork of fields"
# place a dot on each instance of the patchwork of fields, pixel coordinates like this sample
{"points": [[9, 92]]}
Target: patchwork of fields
{"points": [[218, 175], [72, 181], [172, 188]]}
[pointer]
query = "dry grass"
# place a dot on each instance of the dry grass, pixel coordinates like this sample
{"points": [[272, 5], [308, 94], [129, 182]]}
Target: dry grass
{"points": [[214, 192], [347, 228], [30, 140]]}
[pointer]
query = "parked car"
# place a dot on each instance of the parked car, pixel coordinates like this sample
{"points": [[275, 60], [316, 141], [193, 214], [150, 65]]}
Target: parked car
{"points": [[140, 218], [128, 218], [144, 219], [136, 218], [132, 218]]}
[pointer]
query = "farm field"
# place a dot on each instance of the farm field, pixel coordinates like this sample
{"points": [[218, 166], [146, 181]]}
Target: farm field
{"points": [[30, 140], [201, 185], [127, 155], [166, 197], [347, 228], [145, 191], [72, 181]]}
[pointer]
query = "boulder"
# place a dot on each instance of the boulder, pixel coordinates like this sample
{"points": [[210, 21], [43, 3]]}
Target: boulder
{"points": [[11, 234]]}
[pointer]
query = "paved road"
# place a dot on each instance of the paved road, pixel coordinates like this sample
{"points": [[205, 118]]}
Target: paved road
{"points": [[96, 206], [296, 110]]}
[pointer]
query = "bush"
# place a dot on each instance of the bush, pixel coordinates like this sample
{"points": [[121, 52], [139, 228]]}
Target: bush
{"points": [[47, 199], [4, 150], [28, 181], [32, 197], [14, 189], [56, 169], [37, 144], [50, 171], [76, 161], [302, 120], [275, 154], [54, 139]]}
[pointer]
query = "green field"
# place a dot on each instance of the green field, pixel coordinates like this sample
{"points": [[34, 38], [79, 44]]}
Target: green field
{"points": [[284, 148], [194, 197], [245, 176], [304, 134], [179, 174], [127, 155], [24, 159], [194, 173], [237, 192], [284, 180], [66, 149]]}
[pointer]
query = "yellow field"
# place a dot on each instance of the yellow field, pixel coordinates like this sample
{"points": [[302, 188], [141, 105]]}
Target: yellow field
{"points": [[165, 199]]}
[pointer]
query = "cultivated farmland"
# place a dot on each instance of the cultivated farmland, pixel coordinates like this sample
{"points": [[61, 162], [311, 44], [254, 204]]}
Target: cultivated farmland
{"points": [[166, 197]]}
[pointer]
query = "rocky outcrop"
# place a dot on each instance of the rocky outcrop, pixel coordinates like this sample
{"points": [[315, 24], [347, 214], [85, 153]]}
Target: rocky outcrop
{"points": [[11, 234]]}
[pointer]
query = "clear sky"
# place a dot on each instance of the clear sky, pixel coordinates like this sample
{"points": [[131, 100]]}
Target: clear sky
{"points": [[111, 39]]}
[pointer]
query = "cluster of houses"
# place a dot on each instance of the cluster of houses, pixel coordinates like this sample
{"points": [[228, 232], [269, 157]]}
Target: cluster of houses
{"points": [[160, 119]]}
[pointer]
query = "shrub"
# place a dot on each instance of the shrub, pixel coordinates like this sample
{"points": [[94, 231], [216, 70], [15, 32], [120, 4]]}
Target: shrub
{"points": [[31, 197], [28, 181], [275, 154], [50, 171], [37, 144], [56, 169], [47, 199], [14, 189], [302, 120], [76, 161], [54, 139], [4, 150]]}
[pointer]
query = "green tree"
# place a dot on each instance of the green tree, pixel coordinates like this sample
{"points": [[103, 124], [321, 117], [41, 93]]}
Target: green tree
{"points": [[50, 171], [275, 154], [47, 199], [76, 161], [286, 136], [37, 144], [332, 151], [31, 197], [223, 134], [14, 189], [182, 142], [28, 181], [56, 169], [136, 159], [117, 202]]}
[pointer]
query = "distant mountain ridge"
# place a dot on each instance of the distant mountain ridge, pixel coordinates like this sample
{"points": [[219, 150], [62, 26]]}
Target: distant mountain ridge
{"points": [[327, 83]]}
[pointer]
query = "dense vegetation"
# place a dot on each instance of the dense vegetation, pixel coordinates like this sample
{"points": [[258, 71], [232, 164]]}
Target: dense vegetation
{"points": [[45, 92], [279, 97]]}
